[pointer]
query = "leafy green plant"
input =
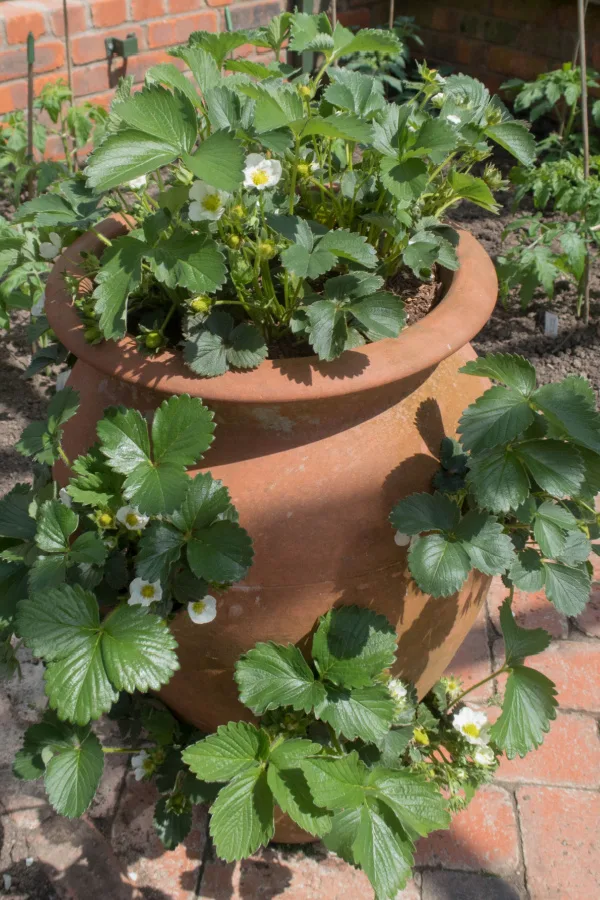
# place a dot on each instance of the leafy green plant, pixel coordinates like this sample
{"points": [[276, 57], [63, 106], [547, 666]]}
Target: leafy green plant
{"points": [[392, 68], [265, 204], [516, 497], [556, 94]]}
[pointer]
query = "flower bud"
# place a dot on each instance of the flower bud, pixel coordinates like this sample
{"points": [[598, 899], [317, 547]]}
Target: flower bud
{"points": [[153, 340], [304, 91], [266, 249], [303, 169], [92, 334], [234, 241], [200, 304], [420, 736], [239, 211], [105, 519]]}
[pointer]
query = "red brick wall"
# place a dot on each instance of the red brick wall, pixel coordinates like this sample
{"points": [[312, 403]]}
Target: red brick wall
{"points": [[498, 39], [158, 24]]}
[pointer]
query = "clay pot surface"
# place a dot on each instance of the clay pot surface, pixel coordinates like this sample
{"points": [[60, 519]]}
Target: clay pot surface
{"points": [[314, 455]]}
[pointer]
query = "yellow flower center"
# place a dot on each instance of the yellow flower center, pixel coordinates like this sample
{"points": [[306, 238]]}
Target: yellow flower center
{"points": [[131, 519], [148, 591], [105, 520], [303, 170], [259, 177], [472, 730], [148, 766], [199, 606], [211, 202], [420, 736]]}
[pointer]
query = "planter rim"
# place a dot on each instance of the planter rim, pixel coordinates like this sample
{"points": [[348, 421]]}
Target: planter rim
{"points": [[463, 311]]}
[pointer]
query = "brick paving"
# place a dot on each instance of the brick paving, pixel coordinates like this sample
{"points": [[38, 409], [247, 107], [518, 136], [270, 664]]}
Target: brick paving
{"points": [[531, 835]]}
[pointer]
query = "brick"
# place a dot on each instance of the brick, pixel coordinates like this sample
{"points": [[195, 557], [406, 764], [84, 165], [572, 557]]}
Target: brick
{"points": [[178, 30], [574, 667], [530, 610], [560, 842], [569, 756], [156, 871], [219, 2], [138, 65], [517, 63], [19, 21], [295, 876], [532, 11], [499, 31], [90, 47], [443, 19], [48, 56], [13, 96], [447, 885], [252, 15], [472, 661], [481, 837], [148, 9], [589, 620], [356, 18], [108, 12], [92, 79], [179, 6], [78, 20]]}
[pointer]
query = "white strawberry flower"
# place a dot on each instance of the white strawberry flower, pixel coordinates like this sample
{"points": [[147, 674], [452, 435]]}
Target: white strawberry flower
{"points": [[202, 611], [206, 202], [142, 765], [484, 756], [131, 518], [137, 183], [454, 119], [472, 725], [51, 248], [261, 173], [64, 498], [401, 539], [398, 691], [143, 593]]}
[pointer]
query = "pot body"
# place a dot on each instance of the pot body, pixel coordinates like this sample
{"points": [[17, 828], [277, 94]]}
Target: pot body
{"points": [[314, 485], [315, 456]]}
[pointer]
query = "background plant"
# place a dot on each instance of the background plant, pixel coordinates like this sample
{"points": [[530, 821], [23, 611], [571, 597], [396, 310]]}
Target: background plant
{"points": [[393, 68], [267, 204]]}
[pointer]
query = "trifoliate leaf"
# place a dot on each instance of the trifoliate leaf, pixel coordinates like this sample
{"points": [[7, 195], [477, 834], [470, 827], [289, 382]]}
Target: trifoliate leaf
{"points": [[380, 316], [337, 783], [206, 500], [89, 661], [219, 344], [340, 126], [527, 572], [515, 138], [171, 823], [520, 642], [365, 712], [328, 328], [489, 549], [42, 439], [528, 708], [119, 275], [405, 180], [15, 521], [498, 416], [272, 675], [55, 525], [219, 161], [235, 748], [352, 645], [290, 788], [13, 587], [160, 547], [221, 553], [550, 527], [73, 773], [242, 816], [382, 850], [355, 92], [577, 549], [439, 566], [567, 587], [95, 484], [188, 260], [126, 155], [425, 512], [166, 116], [50, 732], [498, 480], [509, 369], [555, 465], [341, 837], [417, 803], [571, 412]]}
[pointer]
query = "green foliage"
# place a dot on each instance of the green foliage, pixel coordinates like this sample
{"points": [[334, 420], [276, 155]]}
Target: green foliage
{"points": [[248, 184]]}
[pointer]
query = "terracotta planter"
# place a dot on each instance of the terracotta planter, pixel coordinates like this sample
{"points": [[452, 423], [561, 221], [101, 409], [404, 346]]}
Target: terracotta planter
{"points": [[314, 455]]}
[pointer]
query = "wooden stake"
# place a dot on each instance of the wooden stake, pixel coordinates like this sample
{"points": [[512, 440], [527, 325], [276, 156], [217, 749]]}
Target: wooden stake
{"points": [[68, 48], [30, 64], [392, 14], [581, 8]]}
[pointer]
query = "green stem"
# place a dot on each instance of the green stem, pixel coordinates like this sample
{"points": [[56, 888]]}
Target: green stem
{"points": [[101, 237], [64, 456], [294, 176], [495, 674], [121, 749], [168, 317]]}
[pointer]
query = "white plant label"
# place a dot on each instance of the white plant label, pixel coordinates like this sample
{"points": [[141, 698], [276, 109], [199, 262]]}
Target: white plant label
{"points": [[550, 324]]}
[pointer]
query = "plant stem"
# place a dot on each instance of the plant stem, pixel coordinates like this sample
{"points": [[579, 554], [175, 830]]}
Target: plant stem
{"points": [[478, 684], [581, 9], [294, 177], [168, 317], [64, 456], [101, 237], [121, 749]]}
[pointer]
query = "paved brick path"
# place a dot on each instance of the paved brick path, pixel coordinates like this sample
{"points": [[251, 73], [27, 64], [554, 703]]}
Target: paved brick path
{"points": [[532, 834]]}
